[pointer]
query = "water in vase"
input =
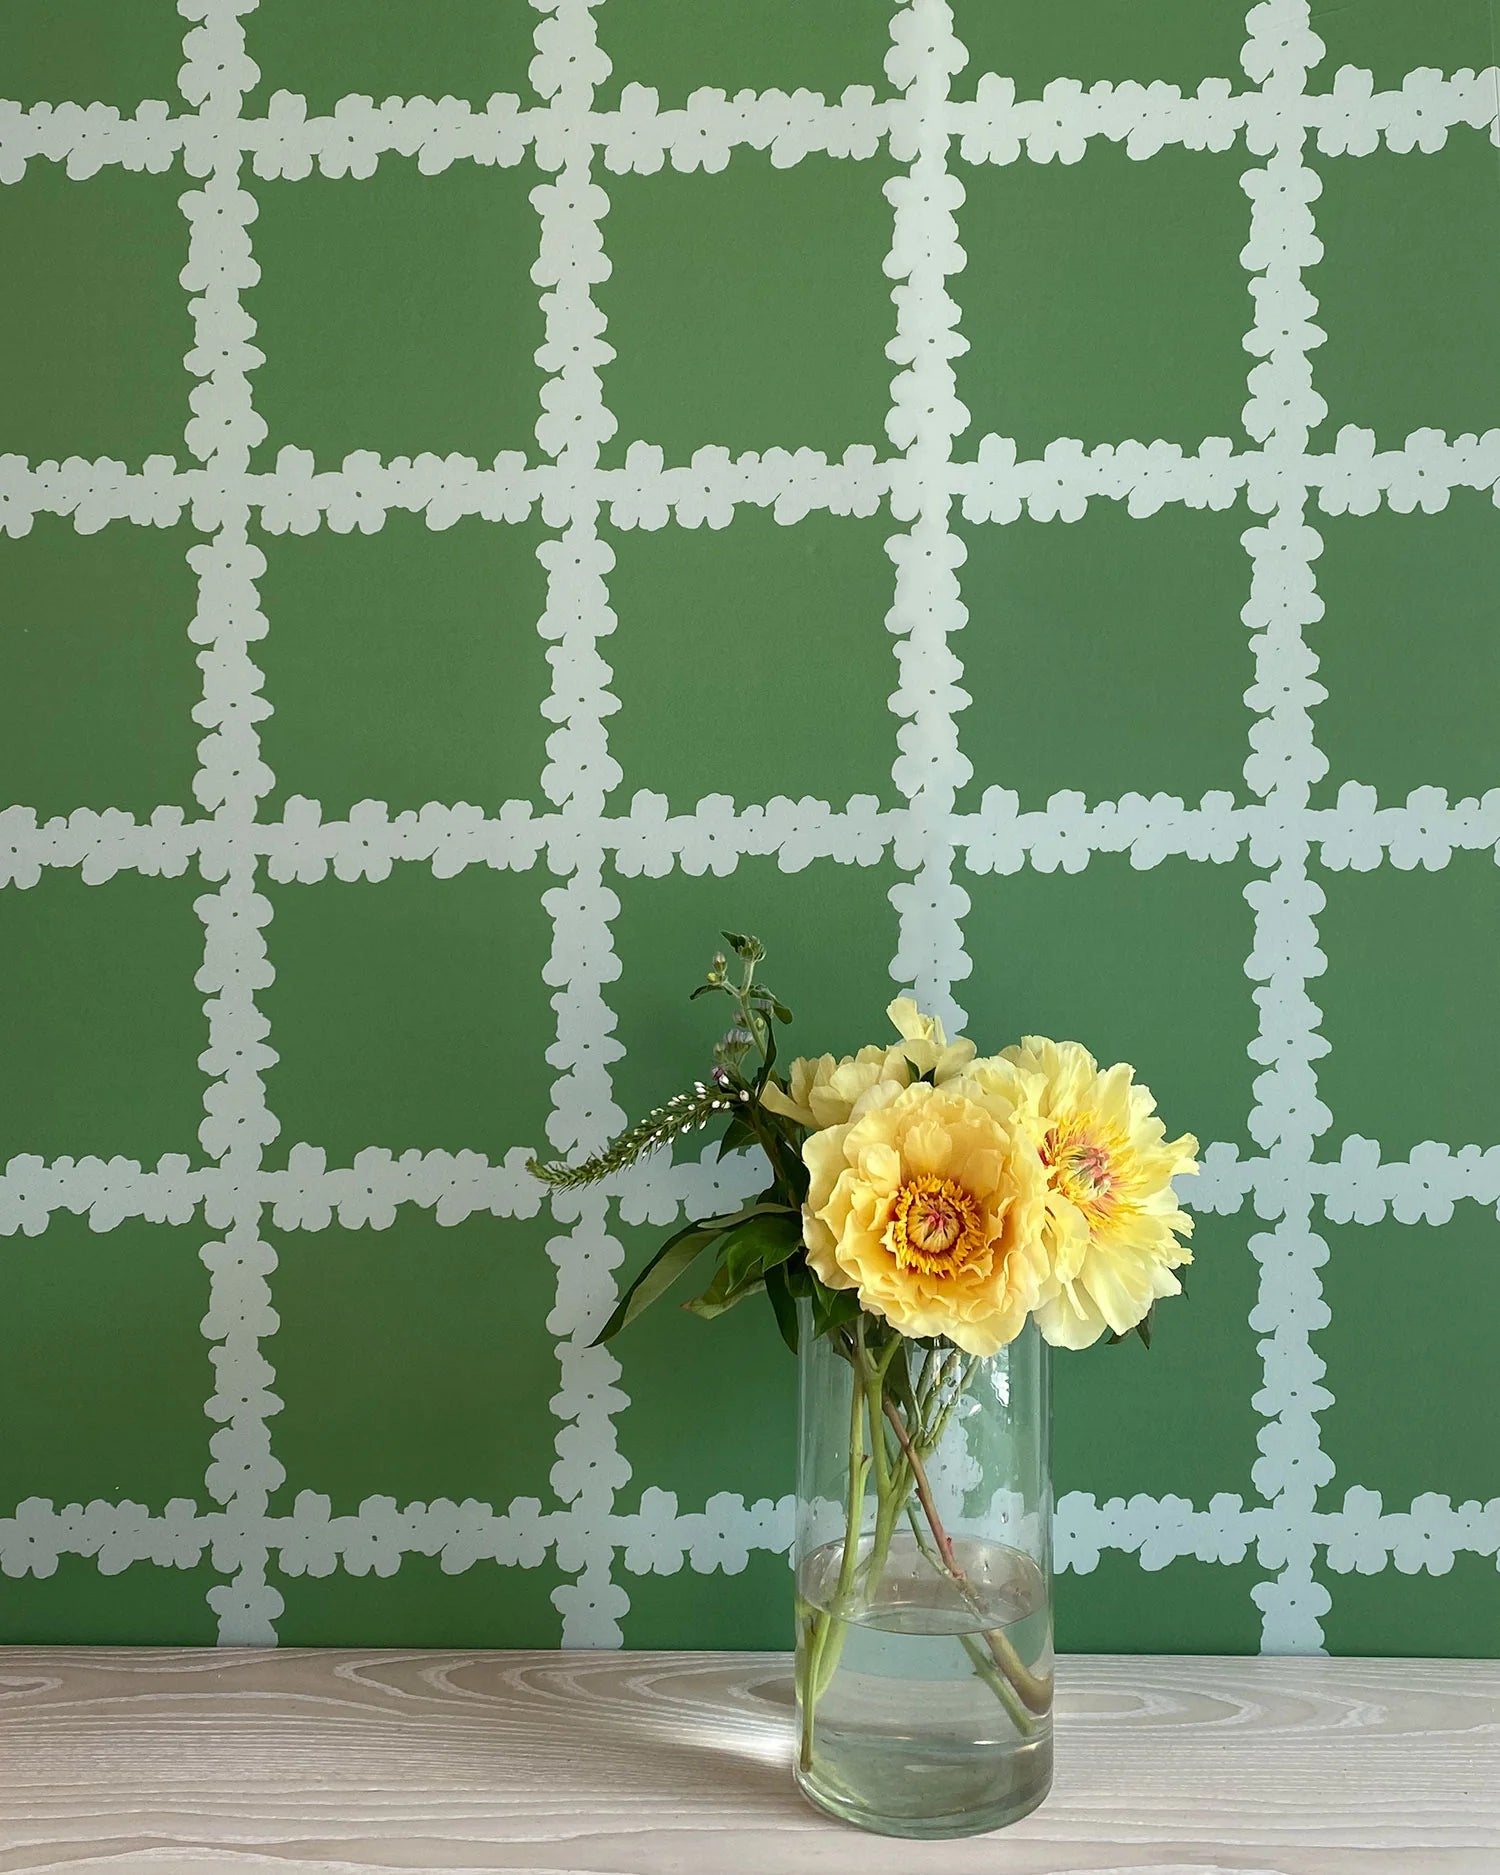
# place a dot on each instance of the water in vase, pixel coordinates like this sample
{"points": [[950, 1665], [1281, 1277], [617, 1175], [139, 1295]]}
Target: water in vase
{"points": [[928, 1693]]}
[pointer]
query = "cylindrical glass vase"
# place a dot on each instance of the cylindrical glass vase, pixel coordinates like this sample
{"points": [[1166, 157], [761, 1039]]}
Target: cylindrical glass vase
{"points": [[924, 1580]]}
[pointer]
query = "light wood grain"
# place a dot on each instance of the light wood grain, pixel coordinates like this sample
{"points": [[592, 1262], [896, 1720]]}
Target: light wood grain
{"points": [[677, 1764]]}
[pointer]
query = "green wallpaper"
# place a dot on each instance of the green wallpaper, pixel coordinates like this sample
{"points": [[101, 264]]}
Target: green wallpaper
{"points": [[1001, 500]]}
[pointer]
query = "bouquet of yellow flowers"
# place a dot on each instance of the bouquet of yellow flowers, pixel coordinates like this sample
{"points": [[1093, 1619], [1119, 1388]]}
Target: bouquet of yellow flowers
{"points": [[948, 1193], [926, 1204]]}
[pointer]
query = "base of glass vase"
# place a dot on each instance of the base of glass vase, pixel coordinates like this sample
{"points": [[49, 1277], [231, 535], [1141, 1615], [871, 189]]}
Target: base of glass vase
{"points": [[909, 1819]]}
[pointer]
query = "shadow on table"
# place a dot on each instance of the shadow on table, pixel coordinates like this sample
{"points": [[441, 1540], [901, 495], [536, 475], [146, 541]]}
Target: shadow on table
{"points": [[707, 1731]]}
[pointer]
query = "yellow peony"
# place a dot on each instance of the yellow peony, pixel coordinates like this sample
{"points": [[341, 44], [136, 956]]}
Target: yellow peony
{"points": [[931, 1202], [825, 1090], [1112, 1220], [924, 1044]]}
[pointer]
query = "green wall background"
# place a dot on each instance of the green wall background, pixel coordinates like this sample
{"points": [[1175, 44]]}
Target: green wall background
{"points": [[995, 498]]}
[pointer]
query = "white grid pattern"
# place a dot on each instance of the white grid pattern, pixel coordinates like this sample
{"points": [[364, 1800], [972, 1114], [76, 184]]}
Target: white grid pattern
{"points": [[1281, 480]]}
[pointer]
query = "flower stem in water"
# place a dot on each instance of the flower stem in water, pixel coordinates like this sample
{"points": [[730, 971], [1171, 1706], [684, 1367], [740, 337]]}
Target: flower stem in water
{"points": [[1035, 1692], [1025, 1696]]}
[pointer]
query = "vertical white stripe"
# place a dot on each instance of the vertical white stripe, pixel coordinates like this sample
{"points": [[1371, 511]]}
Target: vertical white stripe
{"points": [[925, 417], [579, 773], [230, 783], [1284, 763]]}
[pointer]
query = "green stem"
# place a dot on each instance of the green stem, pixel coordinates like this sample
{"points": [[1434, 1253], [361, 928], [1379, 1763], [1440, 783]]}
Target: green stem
{"points": [[931, 1380], [758, 1027], [826, 1629], [934, 1435], [888, 1497], [924, 1490], [1034, 1691], [859, 1471], [981, 1661]]}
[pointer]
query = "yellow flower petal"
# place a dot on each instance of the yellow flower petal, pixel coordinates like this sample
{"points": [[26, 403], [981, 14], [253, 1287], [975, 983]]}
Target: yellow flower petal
{"points": [[1112, 1220], [824, 1090], [911, 1025], [771, 1096], [933, 1207]]}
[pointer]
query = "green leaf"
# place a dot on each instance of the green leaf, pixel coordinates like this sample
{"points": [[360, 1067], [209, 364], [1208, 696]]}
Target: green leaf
{"points": [[779, 1293], [739, 1132], [769, 1004], [749, 950], [706, 989], [766, 1204], [680, 1250], [721, 1295], [844, 1308], [676, 1254], [791, 1169], [832, 1308], [1143, 1328], [747, 1251], [760, 1243]]}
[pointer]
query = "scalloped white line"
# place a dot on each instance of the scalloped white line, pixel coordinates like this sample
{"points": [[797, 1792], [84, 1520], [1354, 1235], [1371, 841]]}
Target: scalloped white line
{"points": [[647, 491], [925, 419], [1283, 766], [289, 141], [1357, 1187], [659, 1537], [579, 774], [231, 779]]}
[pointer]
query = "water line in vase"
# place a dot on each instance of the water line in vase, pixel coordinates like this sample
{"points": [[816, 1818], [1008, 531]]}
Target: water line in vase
{"points": [[1026, 1697], [1035, 1692]]}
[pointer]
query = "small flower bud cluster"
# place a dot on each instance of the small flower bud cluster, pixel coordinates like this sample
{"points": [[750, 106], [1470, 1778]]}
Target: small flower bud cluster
{"points": [[683, 1113], [724, 1092]]}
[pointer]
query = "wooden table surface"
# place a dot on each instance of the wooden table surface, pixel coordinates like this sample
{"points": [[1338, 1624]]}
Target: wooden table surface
{"points": [[677, 1764]]}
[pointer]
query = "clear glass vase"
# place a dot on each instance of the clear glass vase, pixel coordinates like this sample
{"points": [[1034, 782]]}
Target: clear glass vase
{"points": [[924, 1580]]}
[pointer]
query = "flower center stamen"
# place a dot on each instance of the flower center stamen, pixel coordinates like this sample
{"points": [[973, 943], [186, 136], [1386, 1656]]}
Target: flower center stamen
{"points": [[1082, 1166], [935, 1226]]}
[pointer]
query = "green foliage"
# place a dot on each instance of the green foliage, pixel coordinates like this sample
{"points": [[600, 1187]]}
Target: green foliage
{"points": [[756, 1009], [783, 1304], [1142, 1328], [832, 1308], [749, 950], [748, 1245], [747, 1254], [758, 1248], [739, 1132], [677, 1254]]}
